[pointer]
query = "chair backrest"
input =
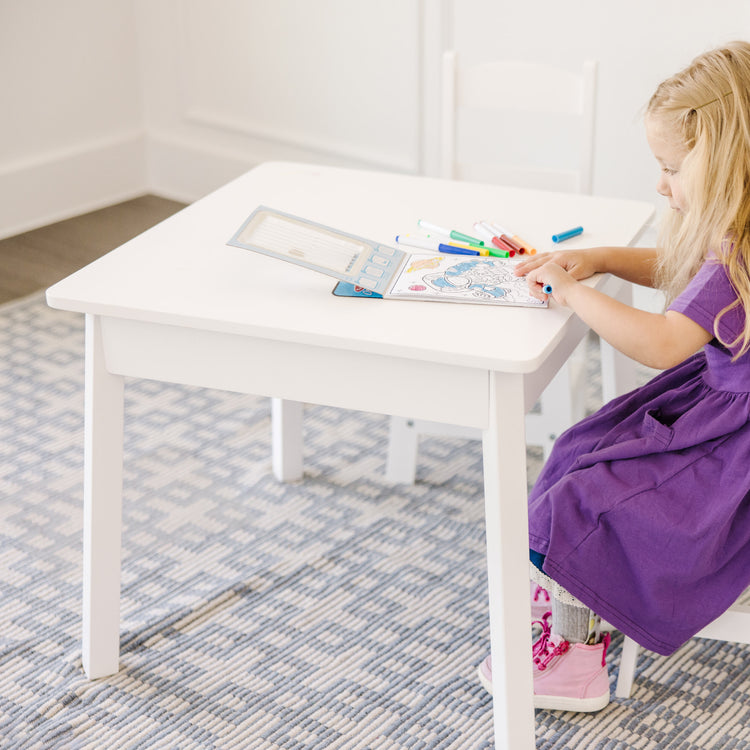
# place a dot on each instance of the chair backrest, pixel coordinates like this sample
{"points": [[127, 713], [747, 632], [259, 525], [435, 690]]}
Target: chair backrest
{"points": [[533, 114]]}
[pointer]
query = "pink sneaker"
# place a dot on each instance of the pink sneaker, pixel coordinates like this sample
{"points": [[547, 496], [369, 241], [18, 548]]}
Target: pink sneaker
{"points": [[485, 674], [540, 601], [567, 677]]}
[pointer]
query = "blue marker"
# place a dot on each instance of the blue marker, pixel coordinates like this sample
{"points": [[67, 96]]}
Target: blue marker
{"points": [[547, 288], [455, 250], [562, 236]]}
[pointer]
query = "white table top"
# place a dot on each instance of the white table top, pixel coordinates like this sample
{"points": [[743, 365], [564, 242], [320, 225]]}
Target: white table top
{"points": [[183, 273]]}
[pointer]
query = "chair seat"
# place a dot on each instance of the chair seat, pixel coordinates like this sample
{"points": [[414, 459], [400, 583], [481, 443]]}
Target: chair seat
{"points": [[733, 626]]}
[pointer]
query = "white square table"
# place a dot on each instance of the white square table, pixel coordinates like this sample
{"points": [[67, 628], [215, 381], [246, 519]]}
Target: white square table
{"points": [[178, 304]]}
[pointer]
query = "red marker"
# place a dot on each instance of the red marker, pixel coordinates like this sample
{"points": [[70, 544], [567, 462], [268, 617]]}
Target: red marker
{"points": [[503, 244], [503, 231], [498, 239]]}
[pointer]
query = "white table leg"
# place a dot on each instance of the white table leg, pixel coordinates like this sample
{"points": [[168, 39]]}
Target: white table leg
{"points": [[286, 439], [506, 514], [102, 508]]}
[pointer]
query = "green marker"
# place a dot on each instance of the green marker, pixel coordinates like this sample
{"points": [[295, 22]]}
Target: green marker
{"points": [[452, 233], [498, 253]]}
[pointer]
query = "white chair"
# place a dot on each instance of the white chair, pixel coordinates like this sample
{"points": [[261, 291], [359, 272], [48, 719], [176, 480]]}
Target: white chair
{"points": [[544, 95], [732, 626], [546, 101]]}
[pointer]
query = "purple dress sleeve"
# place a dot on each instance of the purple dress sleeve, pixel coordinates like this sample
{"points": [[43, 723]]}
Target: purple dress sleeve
{"points": [[707, 294]]}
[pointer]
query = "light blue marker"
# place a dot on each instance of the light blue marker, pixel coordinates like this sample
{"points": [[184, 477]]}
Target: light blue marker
{"points": [[562, 236], [547, 288]]}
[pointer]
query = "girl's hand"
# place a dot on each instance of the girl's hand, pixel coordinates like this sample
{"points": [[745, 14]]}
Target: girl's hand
{"points": [[580, 264], [550, 275]]}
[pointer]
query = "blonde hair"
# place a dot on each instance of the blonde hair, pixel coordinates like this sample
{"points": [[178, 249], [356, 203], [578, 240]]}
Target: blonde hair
{"points": [[706, 108]]}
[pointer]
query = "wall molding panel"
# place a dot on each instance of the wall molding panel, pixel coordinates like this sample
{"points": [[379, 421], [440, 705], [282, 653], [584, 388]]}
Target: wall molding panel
{"points": [[315, 147], [330, 80], [321, 86]]}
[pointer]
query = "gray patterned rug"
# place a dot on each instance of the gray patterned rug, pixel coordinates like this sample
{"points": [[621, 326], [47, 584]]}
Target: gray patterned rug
{"points": [[336, 612]]}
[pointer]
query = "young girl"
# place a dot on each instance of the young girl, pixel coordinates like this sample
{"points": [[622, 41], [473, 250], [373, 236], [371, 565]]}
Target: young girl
{"points": [[642, 512]]}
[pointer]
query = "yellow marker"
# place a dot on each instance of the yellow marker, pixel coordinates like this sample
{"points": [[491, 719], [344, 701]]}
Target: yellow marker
{"points": [[456, 243]]}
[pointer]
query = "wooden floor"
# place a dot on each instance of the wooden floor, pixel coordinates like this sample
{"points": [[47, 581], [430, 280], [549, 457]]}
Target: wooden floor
{"points": [[35, 260]]}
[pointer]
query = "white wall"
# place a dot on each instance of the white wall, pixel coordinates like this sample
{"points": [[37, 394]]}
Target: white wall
{"points": [[247, 80], [103, 99], [636, 43], [71, 125]]}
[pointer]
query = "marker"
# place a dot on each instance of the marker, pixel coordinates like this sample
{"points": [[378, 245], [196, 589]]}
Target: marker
{"points": [[499, 237], [562, 236], [454, 250], [501, 249], [547, 288], [502, 230], [460, 243], [452, 233], [503, 242], [428, 243], [497, 253], [483, 250]]}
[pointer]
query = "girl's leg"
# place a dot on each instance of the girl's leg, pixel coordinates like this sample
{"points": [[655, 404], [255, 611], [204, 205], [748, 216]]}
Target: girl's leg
{"points": [[569, 657], [570, 621], [571, 618]]}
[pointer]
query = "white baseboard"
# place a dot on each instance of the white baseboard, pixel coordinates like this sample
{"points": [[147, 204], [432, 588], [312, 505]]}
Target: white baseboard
{"points": [[185, 171], [58, 185]]}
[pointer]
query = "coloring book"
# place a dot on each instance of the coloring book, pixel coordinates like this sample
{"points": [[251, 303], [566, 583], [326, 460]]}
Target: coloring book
{"points": [[383, 270]]}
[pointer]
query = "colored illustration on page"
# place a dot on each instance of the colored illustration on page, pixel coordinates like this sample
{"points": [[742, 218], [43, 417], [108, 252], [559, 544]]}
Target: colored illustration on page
{"points": [[463, 279]]}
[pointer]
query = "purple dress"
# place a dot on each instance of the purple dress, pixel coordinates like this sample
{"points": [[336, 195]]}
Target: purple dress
{"points": [[643, 509]]}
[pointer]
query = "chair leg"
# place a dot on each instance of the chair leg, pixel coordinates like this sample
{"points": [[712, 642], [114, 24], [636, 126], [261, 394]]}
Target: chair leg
{"points": [[286, 439], [403, 442], [562, 404], [618, 370], [556, 410], [628, 661]]}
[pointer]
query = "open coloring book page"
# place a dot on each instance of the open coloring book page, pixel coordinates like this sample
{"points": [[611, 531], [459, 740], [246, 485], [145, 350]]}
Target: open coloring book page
{"points": [[461, 278], [385, 271]]}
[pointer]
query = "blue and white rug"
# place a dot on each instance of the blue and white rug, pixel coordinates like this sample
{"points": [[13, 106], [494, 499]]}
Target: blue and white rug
{"points": [[335, 612]]}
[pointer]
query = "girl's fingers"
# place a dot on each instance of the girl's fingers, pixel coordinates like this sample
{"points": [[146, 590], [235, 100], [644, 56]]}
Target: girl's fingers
{"points": [[536, 281], [525, 266]]}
